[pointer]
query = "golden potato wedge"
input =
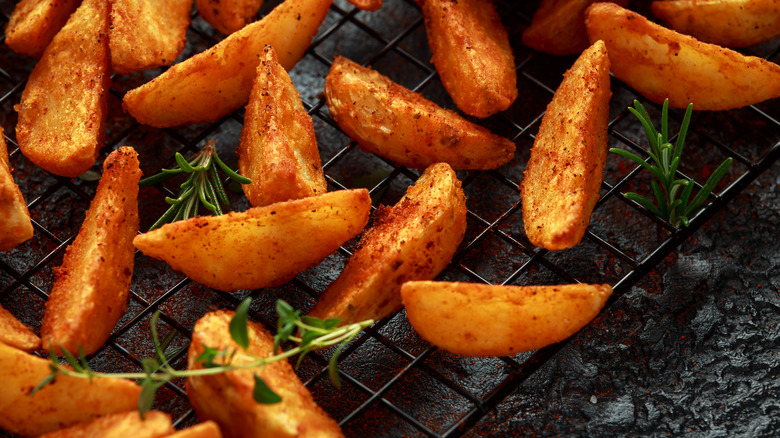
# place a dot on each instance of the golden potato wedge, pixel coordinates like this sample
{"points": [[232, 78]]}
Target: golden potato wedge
{"points": [[33, 24], [402, 126], [482, 320], [367, 5], [263, 246], [14, 333], [413, 240], [65, 402], [661, 63], [227, 398], [63, 108], [213, 83], [155, 424], [228, 16], [278, 150], [207, 429], [735, 23], [15, 218], [472, 54], [147, 33], [562, 179], [92, 286], [558, 27]]}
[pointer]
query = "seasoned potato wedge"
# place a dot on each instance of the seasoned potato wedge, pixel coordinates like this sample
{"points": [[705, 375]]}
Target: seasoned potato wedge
{"points": [[401, 125], [207, 429], [736, 23], [63, 108], [228, 16], [92, 285], [367, 5], [33, 24], [15, 219], [413, 240], [278, 150], [14, 333], [147, 33], [213, 83], [482, 320], [155, 424], [65, 402], [558, 27], [263, 246], [562, 179], [472, 54], [227, 398], [661, 63]]}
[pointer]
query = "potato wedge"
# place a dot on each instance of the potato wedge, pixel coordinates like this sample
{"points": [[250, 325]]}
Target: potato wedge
{"points": [[661, 63], [228, 16], [146, 34], [413, 240], [402, 126], [278, 149], [33, 24], [65, 402], [207, 429], [15, 218], [14, 333], [472, 54], [213, 83], [367, 5], [563, 177], [227, 398], [734, 23], [155, 424], [63, 108], [263, 246], [92, 286], [482, 320]]}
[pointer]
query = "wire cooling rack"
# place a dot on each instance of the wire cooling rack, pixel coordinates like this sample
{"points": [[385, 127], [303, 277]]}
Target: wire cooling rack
{"points": [[394, 384]]}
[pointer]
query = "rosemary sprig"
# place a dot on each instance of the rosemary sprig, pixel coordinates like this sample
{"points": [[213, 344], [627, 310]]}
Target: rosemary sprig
{"points": [[672, 195], [312, 334], [203, 187]]}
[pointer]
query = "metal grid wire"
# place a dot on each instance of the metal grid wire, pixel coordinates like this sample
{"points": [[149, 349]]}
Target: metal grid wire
{"points": [[395, 384]]}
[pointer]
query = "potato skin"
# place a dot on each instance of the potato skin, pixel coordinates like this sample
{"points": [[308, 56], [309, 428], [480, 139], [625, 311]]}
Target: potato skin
{"points": [[228, 16], [472, 54], [15, 334], [263, 246], [413, 240], [61, 128], [15, 218], [661, 63], [278, 149], [33, 24], [563, 177], [402, 126], [227, 398], [483, 320], [367, 5], [155, 424], [91, 287]]}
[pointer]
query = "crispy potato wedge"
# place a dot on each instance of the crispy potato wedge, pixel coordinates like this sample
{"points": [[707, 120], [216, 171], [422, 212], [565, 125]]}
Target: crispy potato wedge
{"points": [[278, 150], [147, 33], [413, 240], [33, 24], [661, 63], [65, 402], [558, 27], [367, 5], [263, 246], [91, 287], [472, 54], [228, 16], [14, 333], [735, 23], [213, 83], [562, 179], [207, 429], [482, 320], [227, 398], [155, 424], [15, 218], [402, 126], [63, 108]]}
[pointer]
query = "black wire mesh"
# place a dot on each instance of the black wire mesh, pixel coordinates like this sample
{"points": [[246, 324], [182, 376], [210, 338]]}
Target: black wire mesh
{"points": [[394, 384]]}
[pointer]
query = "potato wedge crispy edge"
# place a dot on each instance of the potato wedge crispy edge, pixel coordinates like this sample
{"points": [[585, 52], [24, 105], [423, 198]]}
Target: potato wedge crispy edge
{"points": [[15, 218], [14, 333], [228, 16], [126, 424], [207, 429], [33, 24]]}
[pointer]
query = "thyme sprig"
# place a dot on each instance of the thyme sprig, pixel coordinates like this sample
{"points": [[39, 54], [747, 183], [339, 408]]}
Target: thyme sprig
{"points": [[203, 187], [672, 195], [307, 332]]}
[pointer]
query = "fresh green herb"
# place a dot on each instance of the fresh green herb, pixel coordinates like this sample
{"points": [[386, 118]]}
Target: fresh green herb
{"points": [[672, 195], [203, 187]]}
